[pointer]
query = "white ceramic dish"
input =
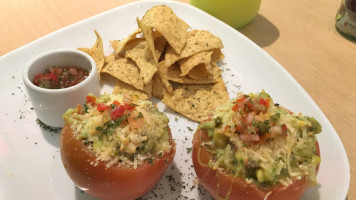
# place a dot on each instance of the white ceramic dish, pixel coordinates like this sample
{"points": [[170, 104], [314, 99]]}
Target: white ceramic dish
{"points": [[50, 104], [30, 165]]}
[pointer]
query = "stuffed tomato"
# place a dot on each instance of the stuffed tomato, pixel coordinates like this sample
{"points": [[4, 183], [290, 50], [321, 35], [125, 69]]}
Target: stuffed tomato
{"points": [[115, 147], [251, 148]]}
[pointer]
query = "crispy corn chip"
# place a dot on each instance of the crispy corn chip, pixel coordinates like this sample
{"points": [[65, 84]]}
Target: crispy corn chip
{"points": [[123, 42], [110, 58], [141, 55], [197, 41], [160, 45], [114, 44], [165, 21], [127, 72], [85, 50], [202, 58], [126, 89], [158, 89], [196, 101], [148, 33], [97, 53], [162, 72], [173, 74]]}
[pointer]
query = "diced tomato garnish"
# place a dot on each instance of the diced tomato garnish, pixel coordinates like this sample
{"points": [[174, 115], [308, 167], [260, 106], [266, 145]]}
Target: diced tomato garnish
{"points": [[240, 99], [53, 76], [90, 99], [116, 102], [234, 108], [102, 107], [265, 102], [119, 111], [249, 105], [129, 106], [284, 127]]}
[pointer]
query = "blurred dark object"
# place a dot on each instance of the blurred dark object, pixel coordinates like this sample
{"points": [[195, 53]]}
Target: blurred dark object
{"points": [[346, 19]]}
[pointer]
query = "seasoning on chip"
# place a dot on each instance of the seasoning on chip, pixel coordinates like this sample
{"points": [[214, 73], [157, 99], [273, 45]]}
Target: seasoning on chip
{"points": [[109, 59], [142, 56], [123, 42], [173, 74], [127, 72], [202, 58], [126, 89], [148, 34], [197, 41], [196, 101], [162, 58], [158, 89], [162, 72], [160, 44], [165, 21]]}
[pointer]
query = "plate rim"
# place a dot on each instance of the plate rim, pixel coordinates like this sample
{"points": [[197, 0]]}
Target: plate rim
{"points": [[335, 135]]}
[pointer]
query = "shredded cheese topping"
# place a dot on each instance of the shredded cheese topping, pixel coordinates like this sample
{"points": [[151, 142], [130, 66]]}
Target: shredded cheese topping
{"points": [[120, 131], [262, 142]]}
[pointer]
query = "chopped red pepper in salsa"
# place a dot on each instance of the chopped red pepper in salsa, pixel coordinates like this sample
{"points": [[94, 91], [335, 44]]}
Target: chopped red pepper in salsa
{"points": [[60, 77]]}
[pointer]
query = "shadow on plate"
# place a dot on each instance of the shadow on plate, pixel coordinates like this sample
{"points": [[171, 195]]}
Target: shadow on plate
{"points": [[81, 195], [261, 31], [312, 193], [50, 134], [169, 187]]}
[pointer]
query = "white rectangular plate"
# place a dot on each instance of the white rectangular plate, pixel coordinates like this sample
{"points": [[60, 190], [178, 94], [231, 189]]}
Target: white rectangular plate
{"points": [[30, 164]]}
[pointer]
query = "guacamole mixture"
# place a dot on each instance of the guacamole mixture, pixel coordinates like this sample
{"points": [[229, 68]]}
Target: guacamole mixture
{"points": [[120, 130], [262, 142]]}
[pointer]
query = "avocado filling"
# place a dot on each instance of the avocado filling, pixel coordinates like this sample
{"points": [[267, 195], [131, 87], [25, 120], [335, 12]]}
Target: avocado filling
{"points": [[120, 130], [261, 142]]}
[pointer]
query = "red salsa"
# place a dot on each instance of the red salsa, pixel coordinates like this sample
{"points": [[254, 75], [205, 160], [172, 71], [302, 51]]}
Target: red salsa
{"points": [[60, 77]]}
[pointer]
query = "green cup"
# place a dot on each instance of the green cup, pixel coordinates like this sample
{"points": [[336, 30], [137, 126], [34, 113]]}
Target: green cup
{"points": [[236, 13]]}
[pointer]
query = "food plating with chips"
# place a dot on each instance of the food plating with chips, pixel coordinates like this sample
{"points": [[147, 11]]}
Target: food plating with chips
{"points": [[166, 59]]}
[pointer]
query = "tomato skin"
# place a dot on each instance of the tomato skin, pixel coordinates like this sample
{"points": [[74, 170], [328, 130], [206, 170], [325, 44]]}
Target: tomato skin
{"points": [[113, 183], [101, 107], [210, 178], [119, 111]]}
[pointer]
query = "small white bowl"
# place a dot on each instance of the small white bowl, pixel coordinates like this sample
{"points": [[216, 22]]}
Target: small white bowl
{"points": [[51, 104]]}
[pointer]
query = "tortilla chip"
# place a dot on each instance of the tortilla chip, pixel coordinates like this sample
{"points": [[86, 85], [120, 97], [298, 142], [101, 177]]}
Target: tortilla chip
{"points": [[148, 33], [127, 72], [196, 101], [85, 50], [217, 55], [200, 72], [165, 21], [158, 89], [126, 89], [160, 46], [199, 75], [141, 55], [202, 58], [162, 72], [110, 58], [97, 53], [114, 44], [197, 41], [173, 74], [123, 42]]}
